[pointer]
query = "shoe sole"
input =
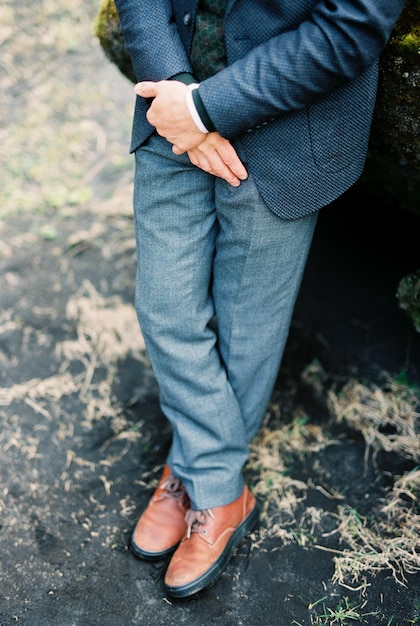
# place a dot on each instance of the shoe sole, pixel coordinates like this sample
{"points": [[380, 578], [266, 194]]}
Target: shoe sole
{"points": [[152, 556], [219, 565]]}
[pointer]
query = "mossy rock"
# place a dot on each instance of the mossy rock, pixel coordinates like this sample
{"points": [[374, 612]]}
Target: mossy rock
{"points": [[393, 165], [107, 30], [408, 296]]}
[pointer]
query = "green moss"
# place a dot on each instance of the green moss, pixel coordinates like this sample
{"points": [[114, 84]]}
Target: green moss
{"points": [[405, 39], [408, 46], [411, 40], [107, 29], [107, 15]]}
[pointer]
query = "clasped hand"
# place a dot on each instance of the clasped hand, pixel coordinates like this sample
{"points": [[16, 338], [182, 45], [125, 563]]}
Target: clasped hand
{"points": [[170, 116]]}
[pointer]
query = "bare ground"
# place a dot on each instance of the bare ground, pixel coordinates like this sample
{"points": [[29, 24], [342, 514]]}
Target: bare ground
{"points": [[336, 467]]}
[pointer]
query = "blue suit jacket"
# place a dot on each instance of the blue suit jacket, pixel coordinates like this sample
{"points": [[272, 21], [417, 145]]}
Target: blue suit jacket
{"points": [[298, 93]]}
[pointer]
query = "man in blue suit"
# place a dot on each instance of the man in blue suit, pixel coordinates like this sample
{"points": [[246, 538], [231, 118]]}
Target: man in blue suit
{"points": [[251, 115]]}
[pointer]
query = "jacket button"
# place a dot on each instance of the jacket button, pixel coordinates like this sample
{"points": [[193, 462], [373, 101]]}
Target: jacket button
{"points": [[187, 19]]}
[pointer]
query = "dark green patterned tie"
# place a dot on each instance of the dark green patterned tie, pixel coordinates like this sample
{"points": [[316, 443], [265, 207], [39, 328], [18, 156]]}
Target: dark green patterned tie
{"points": [[208, 54]]}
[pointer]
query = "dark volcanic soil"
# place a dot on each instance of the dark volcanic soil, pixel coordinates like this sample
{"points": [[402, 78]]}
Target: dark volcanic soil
{"points": [[83, 439]]}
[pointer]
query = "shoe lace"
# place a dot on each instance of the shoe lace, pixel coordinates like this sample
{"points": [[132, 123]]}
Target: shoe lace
{"points": [[172, 487], [196, 520]]}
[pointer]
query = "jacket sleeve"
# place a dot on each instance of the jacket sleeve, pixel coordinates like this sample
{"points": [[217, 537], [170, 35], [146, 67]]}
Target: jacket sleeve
{"points": [[151, 38], [336, 43]]}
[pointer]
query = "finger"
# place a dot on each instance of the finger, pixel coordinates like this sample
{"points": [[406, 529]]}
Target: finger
{"points": [[200, 160], [220, 170], [146, 89], [230, 158], [238, 168], [212, 162]]}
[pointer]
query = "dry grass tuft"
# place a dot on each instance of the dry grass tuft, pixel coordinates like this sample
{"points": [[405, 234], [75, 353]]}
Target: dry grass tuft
{"points": [[389, 541], [49, 389], [107, 328], [107, 331], [387, 418], [280, 493]]}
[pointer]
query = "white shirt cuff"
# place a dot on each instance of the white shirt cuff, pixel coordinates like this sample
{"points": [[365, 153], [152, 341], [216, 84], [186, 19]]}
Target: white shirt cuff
{"points": [[192, 109]]}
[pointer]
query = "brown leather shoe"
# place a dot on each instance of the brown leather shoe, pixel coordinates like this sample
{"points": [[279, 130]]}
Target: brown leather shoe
{"points": [[211, 538], [162, 525]]}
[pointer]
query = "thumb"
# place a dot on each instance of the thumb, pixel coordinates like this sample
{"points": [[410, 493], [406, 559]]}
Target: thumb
{"points": [[146, 89]]}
